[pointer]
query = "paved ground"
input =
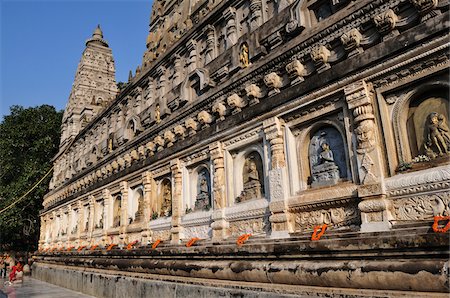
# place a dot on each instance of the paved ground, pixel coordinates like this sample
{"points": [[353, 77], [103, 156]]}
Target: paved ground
{"points": [[34, 288]]}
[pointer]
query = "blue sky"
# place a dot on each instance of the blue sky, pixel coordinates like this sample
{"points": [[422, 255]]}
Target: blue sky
{"points": [[42, 41]]}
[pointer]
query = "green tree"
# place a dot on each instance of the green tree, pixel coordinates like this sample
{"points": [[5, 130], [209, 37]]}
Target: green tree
{"points": [[29, 138]]}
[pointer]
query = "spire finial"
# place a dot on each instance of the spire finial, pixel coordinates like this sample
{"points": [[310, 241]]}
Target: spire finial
{"points": [[97, 37]]}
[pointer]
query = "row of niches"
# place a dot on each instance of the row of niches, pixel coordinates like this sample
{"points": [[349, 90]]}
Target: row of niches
{"points": [[247, 180], [144, 108], [169, 24]]}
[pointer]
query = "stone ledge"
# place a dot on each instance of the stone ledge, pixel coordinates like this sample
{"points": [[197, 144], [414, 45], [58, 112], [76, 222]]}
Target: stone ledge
{"points": [[411, 259]]}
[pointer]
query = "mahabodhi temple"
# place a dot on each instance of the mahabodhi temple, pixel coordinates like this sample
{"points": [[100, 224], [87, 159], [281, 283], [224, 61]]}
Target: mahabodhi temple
{"points": [[263, 148]]}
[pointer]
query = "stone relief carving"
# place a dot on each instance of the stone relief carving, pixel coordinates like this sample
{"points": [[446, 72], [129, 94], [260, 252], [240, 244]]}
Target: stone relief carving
{"points": [[202, 232], [320, 56], [437, 132], [205, 118], [296, 71], [351, 41], [244, 55], [254, 93], [386, 22], [220, 109], [424, 6], [359, 98], [166, 199], [139, 215], [252, 226], [236, 102], [169, 137], [422, 207], [336, 217], [116, 211], [274, 82], [252, 176], [325, 168], [203, 199], [191, 125]]}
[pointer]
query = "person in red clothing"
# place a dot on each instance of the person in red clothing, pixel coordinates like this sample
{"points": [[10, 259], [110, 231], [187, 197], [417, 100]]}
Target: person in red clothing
{"points": [[15, 269]]}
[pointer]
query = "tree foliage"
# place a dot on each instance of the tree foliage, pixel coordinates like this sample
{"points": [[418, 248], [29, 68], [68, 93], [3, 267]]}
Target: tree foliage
{"points": [[29, 138]]}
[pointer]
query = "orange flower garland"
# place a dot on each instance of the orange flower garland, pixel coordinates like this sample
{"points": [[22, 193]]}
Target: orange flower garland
{"points": [[242, 239], [192, 241], [157, 242], [70, 248], [316, 236], [131, 244], [80, 248], [111, 246], [436, 228], [93, 247]]}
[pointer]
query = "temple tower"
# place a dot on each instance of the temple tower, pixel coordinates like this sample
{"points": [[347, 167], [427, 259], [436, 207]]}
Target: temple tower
{"points": [[94, 86]]}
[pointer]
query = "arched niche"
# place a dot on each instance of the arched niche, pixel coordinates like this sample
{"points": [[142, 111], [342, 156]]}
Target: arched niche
{"points": [[324, 148], [195, 85], [412, 122], [249, 174], [117, 208], [164, 198], [135, 204], [202, 187], [139, 203]]}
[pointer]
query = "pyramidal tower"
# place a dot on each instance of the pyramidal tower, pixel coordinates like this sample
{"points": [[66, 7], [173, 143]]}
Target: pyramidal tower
{"points": [[94, 86]]}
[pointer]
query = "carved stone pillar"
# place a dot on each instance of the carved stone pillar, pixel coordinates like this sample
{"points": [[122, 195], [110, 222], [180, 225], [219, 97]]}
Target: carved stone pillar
{"points": [[210, 43], [177, 229], [231, 31], [108, 201], [273, 130], [375, 209], [192, 50], [147, 180], [256, 14], [220, 225], [123, 210], [161, 72], [91, 216], [178, 74]]}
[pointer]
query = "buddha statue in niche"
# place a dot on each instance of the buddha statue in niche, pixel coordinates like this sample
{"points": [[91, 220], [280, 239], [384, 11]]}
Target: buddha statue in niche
{"points": [[139, 215], [324, 170], [117, 207], [166, 206], [437, 136], [88, 218], [252, 182], [202, 201]]}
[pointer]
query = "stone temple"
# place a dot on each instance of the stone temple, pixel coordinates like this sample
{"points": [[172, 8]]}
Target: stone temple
{"points": [[263, 148]]}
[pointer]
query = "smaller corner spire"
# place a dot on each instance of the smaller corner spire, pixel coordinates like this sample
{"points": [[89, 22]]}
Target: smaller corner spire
{"points": [[98, 32]]}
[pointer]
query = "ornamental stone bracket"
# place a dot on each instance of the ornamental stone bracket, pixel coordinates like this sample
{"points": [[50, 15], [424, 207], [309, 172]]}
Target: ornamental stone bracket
{"points": [[177, 229], [375, 209], [273, 130]]}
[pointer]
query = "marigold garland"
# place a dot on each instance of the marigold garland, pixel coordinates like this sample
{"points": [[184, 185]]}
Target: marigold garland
{"points": [[316, 236], [80, 248], [70, 248], [436, 228], [131, 244], [192, 241], [157, 242], [93, 247], [111, 246], [242, 239]]}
